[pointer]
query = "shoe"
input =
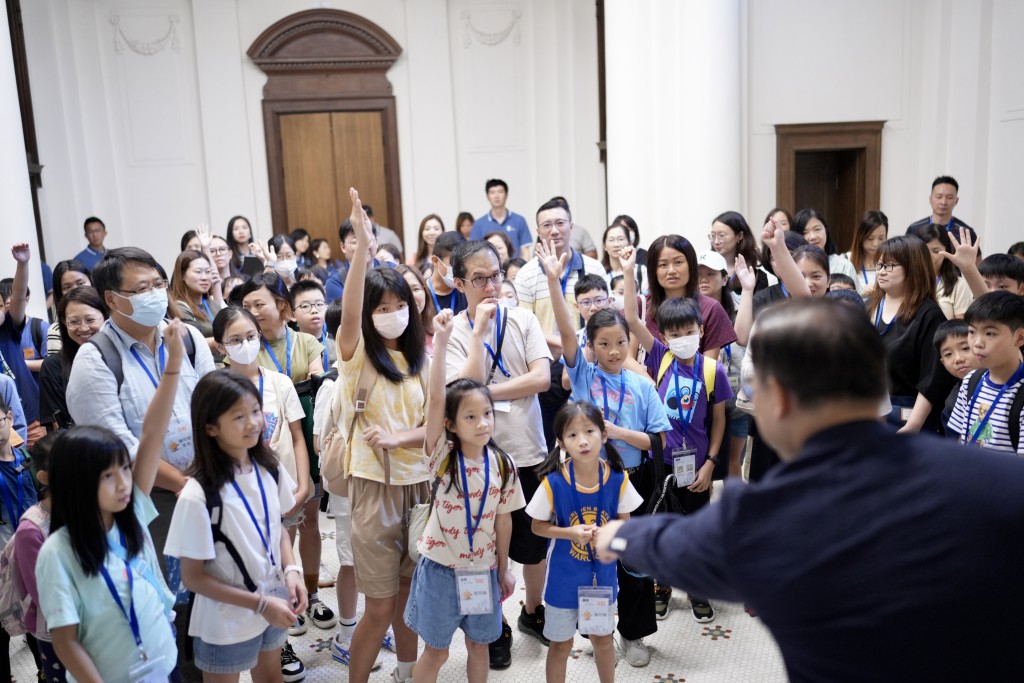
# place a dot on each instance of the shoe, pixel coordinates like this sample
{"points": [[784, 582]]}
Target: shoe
{"points": [[299, 627], [501, 649], [703, 612], [326, 578], [533, 624], [330, 515], [662, 600], [635, 652], [292, 669], [341, 649], [749, 610], [396, 679], [389, 641], [320, 614]]}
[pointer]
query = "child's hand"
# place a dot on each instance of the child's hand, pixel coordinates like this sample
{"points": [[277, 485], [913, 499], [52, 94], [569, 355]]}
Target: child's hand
{"points": [[553, 264], [484, 314], [965, 253], [584, 533], [378, 437], [297, 592], [443, 325], [506, 583], [361, 223], [773, 235], [279, 613], [747, 276], [627, 259], [174, 336], [21, 252], [703, 481]]}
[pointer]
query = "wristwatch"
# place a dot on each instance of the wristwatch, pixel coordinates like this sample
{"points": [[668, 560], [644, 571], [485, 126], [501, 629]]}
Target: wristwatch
{"points": [[713, 459], [618, 544]]}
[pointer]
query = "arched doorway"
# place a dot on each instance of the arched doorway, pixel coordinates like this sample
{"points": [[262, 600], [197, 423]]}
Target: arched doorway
{"points": [[329, 120]]}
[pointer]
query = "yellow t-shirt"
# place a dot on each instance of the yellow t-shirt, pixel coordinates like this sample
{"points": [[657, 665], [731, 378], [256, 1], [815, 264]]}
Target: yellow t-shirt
{"points": [[305, 349], [395, 407]]}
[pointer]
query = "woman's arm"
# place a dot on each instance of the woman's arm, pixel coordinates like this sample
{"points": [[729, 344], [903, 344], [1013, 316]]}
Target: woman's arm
{"points": [[745, 315], [627, 257], [352, 298], [554, 266], [73, 655], [434, 426], [154, 425]]}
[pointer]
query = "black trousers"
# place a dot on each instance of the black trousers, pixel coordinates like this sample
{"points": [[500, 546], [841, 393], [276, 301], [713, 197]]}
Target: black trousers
{"points": [[636, 595]]}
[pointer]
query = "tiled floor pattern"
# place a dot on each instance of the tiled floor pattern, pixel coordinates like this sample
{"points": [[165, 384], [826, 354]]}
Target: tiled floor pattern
{"points": [[734, 648]]}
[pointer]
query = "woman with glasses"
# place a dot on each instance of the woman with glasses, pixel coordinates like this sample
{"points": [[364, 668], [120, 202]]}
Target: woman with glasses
{"points": [[905, 312], [67, 275], [811, 224], [730, 236], [220, 255], [616, 236], [80, 315], [196, 294]]}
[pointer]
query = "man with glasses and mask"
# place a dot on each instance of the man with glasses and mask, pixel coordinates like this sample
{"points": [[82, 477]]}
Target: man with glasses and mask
{"points": [[516, 367], [116, 373]]}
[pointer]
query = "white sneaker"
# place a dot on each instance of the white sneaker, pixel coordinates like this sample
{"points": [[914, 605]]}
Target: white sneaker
{"points": [[635, 652], [341, 651], [299, 627], [396, 679], [326, 578], [389, 641]]}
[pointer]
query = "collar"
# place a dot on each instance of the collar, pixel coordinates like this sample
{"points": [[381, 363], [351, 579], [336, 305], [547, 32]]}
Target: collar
{"points": [[833, 440], [94, 252], [126, 340], [490, 216]]}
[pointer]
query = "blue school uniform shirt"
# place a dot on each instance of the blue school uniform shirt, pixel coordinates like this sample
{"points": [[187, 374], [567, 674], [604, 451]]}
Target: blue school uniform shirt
{"points": [[696, 433], [10, 348], [13, 482], [642, 409]]}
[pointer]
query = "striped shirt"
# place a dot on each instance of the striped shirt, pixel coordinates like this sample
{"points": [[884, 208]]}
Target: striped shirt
{"points": [[995, 434], [532, 288]]}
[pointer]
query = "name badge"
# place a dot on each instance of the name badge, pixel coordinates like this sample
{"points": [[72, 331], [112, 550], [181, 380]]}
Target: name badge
{"points": [[596, 610], [148, 671], [905, 413], [503, 406], [179, 449], [684, 465], [475, 596]]}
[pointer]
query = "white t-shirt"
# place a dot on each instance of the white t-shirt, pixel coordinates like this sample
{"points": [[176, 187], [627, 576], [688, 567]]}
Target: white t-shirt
{"points": [[281, 407], [445, 539], [540, 506], [191, 536]]}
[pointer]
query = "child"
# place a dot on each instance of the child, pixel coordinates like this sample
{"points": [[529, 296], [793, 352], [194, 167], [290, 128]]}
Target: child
{"points": [[632, 424], [308, 302], [574, 501], [1002, 271], [954, 349], [616, 290], [696, 410], [508, 296], [33, 335], [245, 600], [106, 602], [840, 281], [12, 321], [462, 548], [987, 411]]}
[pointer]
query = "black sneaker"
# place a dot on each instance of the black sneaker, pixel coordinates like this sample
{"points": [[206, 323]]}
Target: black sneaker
{"points": [[292, 669], [662, 600], [501, 649], [703, 612], [533, 624]]}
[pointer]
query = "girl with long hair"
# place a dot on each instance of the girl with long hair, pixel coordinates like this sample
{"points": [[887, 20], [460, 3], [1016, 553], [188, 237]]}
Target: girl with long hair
{"points": [[431, 228], [863, 254]]}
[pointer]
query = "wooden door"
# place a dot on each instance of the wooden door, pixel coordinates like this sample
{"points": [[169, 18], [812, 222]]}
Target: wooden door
{"points": [[325, 153], [829, 181]]}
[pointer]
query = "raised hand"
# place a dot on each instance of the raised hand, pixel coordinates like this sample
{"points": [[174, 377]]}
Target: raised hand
{"points": [[965, 252], [443, 326], [21, 252], [627, 258], [747, 276], [553, 264], [773, 235], [360, 221], [174, 342]]}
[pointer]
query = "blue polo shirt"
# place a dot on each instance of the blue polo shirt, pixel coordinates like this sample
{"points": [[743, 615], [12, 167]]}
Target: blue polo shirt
{"points": [[89, 258], [514, 226]]}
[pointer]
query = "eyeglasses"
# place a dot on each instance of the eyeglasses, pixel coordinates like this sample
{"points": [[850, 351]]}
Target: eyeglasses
{"points": [[560, 223], [886, 267], [592, 303], [308, 307], [144, 289], [75, 323], [238, 342], [219, 251], [717, 237], [481, 282], [202, 272], [615, 241]]}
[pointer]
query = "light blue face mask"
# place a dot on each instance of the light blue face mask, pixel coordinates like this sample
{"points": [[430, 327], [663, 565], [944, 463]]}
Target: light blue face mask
{"points": [[147, 309]]}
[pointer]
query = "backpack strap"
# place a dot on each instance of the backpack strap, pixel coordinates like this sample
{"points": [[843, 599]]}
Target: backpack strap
{"points": [[111, 357], [215, 507], [666, 363], [1014, 417], [36, 330], [710, 370]]}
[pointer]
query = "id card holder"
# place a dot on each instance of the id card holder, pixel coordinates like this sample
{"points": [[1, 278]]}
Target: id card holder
{"points": [[148, 671], [474, 590], [503, 406], [178, 446], [905, 414], [684, 465], [595, 610]]}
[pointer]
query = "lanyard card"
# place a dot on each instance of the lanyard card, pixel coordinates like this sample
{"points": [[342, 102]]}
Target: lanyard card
{"points": [[178, 446], [148, 671], [595, 611], [684, 465], [474, 586], [503, 406]]}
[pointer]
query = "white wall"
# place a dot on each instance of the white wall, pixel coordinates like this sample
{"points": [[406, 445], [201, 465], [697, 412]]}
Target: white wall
{"points": [[156, 143]]}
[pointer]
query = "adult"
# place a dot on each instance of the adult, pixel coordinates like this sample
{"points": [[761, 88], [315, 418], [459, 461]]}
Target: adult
{"points": [[80, 315], [517, 368], [385, 235], [220, 255], [196, 294], [431, 228], [441, 283], [944, 197], [239, 238], [95, 234], [615, 238], [781, 216], [301, 239], [464, 224], [580, 240], [320, 253], [871, 232], [113, 381], [811, 224], [68, 275], [906, 314], [634, 237], [731, 236], [500, 218], [831, 592]]}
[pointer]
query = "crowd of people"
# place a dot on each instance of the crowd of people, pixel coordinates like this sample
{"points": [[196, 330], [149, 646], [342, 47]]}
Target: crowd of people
{"points": [[488, 396]]}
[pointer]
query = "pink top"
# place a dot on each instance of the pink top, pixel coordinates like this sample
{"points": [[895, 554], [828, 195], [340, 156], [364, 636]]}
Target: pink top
{"points": [[28, 539]]}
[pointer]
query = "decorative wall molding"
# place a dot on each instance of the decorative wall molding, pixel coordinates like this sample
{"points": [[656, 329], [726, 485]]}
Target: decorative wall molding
{"points": [[142, 47], [489, 39]]}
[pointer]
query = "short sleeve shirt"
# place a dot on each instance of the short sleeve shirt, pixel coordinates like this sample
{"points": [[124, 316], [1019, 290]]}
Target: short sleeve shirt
{"points": [[967, 414], [514, 226], [718, 329], [532, 288], [305, 350], [281, 407]]}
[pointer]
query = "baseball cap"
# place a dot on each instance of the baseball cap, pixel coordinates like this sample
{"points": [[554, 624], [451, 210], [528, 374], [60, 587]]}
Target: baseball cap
{"points": [[712, 260]]}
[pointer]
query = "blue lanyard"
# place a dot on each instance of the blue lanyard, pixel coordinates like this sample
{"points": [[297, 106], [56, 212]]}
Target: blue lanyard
{"points": [[982, 421], [265, 540], [497, 331], [129, 614], [698, 371], [470, 527], [8, 503], [160, 370], [864, 272], [785, 292], [206, 307], [622, 396], [878, 318], [579, 510], [323, 341], [261, 387], [287, 352], [728, 355], [433, 295]]}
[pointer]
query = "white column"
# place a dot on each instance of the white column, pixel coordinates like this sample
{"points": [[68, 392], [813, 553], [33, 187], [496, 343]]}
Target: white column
{"points": [[19, 223], [673, 113]]}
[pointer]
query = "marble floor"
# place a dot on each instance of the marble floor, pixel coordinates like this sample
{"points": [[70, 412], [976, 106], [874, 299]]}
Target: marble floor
{"points": [[734, 647]]}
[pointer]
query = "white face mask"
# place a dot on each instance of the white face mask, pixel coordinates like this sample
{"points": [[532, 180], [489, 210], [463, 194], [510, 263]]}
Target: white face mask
{"points": [[448, 277], [286, 268], [391, 325], [508, 303], [684, 347], [617, 302], [244, 353], [147, 309]]}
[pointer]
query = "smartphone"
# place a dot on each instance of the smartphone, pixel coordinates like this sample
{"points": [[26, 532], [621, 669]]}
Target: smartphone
{"points": [[251, 265]]}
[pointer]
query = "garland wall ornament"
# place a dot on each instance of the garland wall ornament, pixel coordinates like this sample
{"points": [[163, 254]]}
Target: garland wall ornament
{"points": [[489, 39], [142, 47]]}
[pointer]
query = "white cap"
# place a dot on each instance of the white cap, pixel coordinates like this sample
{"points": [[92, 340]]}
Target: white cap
{"points": [[712, 260]]}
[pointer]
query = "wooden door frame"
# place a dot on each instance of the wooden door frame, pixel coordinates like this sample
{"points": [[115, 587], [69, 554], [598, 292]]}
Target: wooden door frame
{"points": [[325, 60], [864, 136]]}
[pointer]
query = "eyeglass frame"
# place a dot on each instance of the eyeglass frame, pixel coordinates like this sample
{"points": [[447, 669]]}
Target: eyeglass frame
{"points": [[159, 284], [311, 305], [886, 267], [495, 279], [592, 303]]}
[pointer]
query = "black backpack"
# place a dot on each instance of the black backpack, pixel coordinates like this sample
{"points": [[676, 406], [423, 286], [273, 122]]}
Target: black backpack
{"points": [[1013, 418]]}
